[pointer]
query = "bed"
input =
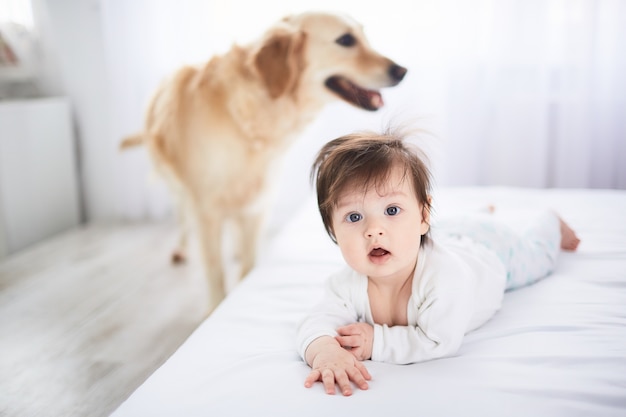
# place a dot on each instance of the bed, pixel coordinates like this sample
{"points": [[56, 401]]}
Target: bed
{"points": [[556, 348]]}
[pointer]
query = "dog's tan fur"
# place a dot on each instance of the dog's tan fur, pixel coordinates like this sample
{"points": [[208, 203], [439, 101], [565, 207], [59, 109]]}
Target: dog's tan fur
{"points": [[215, 130]]}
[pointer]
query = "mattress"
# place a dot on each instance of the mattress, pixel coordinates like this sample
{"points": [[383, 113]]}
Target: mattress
{"points": [[556, 348]]}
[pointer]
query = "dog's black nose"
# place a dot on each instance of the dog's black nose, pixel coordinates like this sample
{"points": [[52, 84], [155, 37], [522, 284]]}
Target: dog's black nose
{"points": [[397, 72]]}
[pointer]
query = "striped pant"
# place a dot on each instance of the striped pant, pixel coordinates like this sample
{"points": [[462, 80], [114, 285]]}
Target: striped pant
{"points": [[526, 242]]}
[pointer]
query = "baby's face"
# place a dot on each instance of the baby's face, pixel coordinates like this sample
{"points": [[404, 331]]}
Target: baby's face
{"points": [[379, 231]]}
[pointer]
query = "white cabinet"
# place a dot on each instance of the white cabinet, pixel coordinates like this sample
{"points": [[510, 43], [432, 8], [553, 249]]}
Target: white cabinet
{"points": [[38, 172]]}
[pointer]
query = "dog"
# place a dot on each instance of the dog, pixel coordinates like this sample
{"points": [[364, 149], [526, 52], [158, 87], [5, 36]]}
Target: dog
{"points": [[214, 131]]}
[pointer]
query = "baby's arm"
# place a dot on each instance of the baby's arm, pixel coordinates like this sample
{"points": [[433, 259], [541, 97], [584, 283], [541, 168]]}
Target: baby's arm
{"points": [[330, 364], [396, 344]]}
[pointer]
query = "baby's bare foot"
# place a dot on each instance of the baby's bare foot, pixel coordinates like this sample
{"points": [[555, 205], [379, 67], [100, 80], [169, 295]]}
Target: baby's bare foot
{"points": [[569, 240]]}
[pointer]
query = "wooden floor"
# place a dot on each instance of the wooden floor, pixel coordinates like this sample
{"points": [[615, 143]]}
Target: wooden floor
{"points": [[87, 316]]}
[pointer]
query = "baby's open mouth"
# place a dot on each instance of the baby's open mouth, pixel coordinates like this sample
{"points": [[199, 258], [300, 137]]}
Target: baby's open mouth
{"points": [[378, 252]]}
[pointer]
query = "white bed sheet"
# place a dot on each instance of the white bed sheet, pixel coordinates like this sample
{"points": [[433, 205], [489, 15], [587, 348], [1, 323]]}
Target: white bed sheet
{"points": [[556, 348]]}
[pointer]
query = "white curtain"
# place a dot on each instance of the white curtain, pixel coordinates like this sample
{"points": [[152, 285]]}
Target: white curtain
{"points": [[537, 94], [515, 92]]}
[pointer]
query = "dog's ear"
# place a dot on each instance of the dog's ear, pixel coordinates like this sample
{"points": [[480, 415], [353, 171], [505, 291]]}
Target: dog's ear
{"points": [[280, 61]]}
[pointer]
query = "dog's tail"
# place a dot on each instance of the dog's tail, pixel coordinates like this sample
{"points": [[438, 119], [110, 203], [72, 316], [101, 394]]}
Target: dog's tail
{"points": [[132, 141]]}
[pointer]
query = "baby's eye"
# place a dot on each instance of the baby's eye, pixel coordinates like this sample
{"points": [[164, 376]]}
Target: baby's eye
{"points": [[392, 211], [353, 217]]}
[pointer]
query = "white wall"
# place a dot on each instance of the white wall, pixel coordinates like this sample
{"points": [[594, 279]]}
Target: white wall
{"points": [[38, 193], [73, 55]]}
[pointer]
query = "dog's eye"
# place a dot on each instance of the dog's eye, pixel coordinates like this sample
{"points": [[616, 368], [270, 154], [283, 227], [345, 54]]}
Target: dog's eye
{"points": [[346, 40]]}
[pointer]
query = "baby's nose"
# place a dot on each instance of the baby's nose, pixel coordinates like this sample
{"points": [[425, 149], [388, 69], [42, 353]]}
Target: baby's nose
{"points": [[373, 230]]}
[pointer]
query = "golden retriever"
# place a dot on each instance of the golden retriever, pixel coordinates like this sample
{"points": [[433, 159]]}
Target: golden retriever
{"points": [[214, 131]]}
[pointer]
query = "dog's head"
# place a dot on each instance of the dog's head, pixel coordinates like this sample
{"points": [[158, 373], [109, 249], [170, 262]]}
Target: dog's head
{"points": [[326, 55]]}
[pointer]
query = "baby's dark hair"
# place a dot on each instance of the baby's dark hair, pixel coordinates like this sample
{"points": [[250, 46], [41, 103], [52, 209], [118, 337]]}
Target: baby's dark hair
{"points": [[364, 160]]}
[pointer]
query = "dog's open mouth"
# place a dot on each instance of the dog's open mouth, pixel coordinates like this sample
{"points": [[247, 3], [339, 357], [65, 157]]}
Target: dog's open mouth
{"points": [[353, 94]]}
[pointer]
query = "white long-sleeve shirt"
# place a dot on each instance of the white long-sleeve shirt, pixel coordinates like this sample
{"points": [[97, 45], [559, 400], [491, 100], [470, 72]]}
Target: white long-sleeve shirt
{"points": [[458, 285]]}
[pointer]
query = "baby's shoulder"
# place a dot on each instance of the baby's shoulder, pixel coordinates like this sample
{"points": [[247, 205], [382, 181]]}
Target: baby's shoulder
{"points": [[445, 256], [443, 266], [462, 263]]}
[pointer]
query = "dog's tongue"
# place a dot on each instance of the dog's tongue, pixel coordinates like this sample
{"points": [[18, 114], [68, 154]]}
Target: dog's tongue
{"points": [[361, 97], [373, 98], [378, 252]]}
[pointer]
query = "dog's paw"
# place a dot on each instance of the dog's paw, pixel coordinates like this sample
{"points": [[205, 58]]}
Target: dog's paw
{"points": [[178, 258]]}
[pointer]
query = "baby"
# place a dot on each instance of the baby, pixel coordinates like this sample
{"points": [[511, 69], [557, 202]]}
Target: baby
{"points": [[406, 296]]}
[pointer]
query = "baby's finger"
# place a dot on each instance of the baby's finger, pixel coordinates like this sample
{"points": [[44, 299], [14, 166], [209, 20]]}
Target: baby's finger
{"points": [[328, 379], [349, 341], [358, 353], [358, 378], [348, 330], [363, 370], [313, 377], [344, 383]]}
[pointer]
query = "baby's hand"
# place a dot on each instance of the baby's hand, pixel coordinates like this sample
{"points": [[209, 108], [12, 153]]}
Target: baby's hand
{"points": [[358, 338], [331, 364]]}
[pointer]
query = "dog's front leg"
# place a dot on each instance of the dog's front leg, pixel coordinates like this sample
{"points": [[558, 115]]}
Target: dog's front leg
{"points": [[179, 255], [210, 239], [248, 228]]}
